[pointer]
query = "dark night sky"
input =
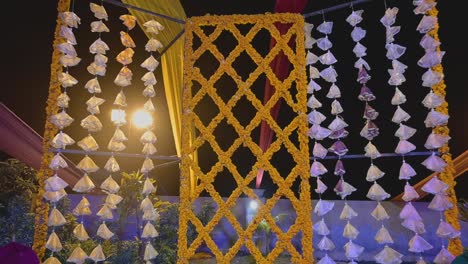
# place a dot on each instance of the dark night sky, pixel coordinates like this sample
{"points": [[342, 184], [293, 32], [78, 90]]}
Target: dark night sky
{"points": [[27, 60]]}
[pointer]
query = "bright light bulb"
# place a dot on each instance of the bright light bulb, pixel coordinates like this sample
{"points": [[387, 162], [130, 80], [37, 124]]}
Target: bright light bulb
{"points": [[253, 205], [142, 119], [118, 117]]}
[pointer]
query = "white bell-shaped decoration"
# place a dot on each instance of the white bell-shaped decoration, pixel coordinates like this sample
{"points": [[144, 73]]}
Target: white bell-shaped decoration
{"points": [[82, 208], [355, 17], [153, 45], [347, 213], [98, 47], [99, 11], [414, 225], [110, 185], [379, 213], [313, 102], [435, 118], [398, 98], [321, 187], [313, 72], [431, 78], [440, 203], [148, 187], [315, 117], [123, 79], [383, 236], [409, 211], [406, 171], [326, 260], [323, 207], [53, 243], [434, 163], [359, 50], [97, 254], [70, 19], [112, 165], [91, 123], [350, 231], [353, 250], [115, 146], [377, 193], [77, 256], [326, 27], [153, 26], [344, 189], [149, 91], [334, 92], [93, 104], [119, 135], [431, 59], [326, 244], [148, 137], [388, 256], [435, 186], [146, 204], [149, 106], [358, 33], [80, 232], [327, 58], [61, 120], [400, 115], [66, 80], [404, 147], [426, 24], [67, 33], [57, 162], [62, 100], [336, 107], [147, 166], [105, 213], [99, 26], [371, 151], [150, 252], [313, 86], [390, 33], [361, 63], [311, 58], [69, 61], [93, 86], [149, 231], [435, 141], [421, 261], [56, 218], [85, 184], [150, 215], [422, 6], [317, 169], [52, 260], [390, 16], [394, 51], [417, 244], [104, 232], [324, 43], [317, 132], [444, 257], [96, 69], [149, 149], [445, 230], [150, 64], [55, 183], [329, 74], [321, 228], [112, 200], [54, 196], [374, 173], [405, 132], [337, 124], [410, 193], [319, 151], [88, 144], [149, 78]]}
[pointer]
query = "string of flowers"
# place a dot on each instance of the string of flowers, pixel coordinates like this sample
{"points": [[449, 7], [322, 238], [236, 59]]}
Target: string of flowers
{"points": [[318, 133], [148, 139], [55, 186], [435, 119]]}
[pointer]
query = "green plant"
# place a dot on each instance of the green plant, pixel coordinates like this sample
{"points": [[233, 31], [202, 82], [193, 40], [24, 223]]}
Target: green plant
{"points": [[463, 209]]}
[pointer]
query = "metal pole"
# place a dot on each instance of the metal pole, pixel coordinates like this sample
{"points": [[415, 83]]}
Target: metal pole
{"points": [[117, 3], [333, 8], [171, 43], [383, 155], [116, 154]]}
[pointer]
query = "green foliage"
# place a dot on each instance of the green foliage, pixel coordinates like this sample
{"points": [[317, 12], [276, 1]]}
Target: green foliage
{"points": [[17, 178], [17, 222], [463, 208]]}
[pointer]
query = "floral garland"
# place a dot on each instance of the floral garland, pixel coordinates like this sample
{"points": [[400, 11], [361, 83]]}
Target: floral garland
{"points": [[440, 186], [42, 208], [189, 118]]}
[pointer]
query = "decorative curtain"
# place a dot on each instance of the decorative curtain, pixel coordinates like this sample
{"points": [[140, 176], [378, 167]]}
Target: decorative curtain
{"points": [[280, 66]]}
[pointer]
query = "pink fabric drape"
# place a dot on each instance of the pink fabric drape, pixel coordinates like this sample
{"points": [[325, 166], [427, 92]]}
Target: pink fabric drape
{"points": [[280, 66]]}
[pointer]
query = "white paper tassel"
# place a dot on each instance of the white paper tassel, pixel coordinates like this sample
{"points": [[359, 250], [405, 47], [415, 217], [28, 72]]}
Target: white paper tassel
{"points": [[319, 151], [54, 196], [112, 200], [445, 230], [321, 228], [405, 132], [147, 166], [334, 92], [52, 260], [326, 244], [313, 102], [80, 232], [149, 231], [336, 108], [326, 260], [104, 232], [77, 256], [406, 171], [347, 213], [350, 231], [414, 225], [55, 183], [150, 252], [344, 190], [410, 193], [337, 124], [404, 147], [82, 208], [91, 123], [379, 213], [400, 115], [323, 207], [434, 163], [87, 164], [105, 213], [398, 98], [146, 204], [388, 256], [440, 203], [417, 244], [374, 173], [371, 151], [321, 187], [97, 254], [62, 140], [61, 120], [353, 250], [435, 186], [409, 211], [421, 261], [317, 169], [112, 165], [315, 117], [110, 185], [56, 218], [150, 215], [311, 58], [319, 133], [383, 236], [53, 243], [444, 257], [435, 141], [435, 118], [57, 162], [432, 100], [85, 184], [149, 149]]}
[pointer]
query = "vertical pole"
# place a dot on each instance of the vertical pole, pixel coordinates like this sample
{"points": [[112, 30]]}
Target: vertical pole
{"points": [[41, 207]]}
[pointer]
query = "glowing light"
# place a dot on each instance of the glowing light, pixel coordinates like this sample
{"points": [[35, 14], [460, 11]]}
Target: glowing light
{"points": [[253, 205], [142, 119], [118, 117]]}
